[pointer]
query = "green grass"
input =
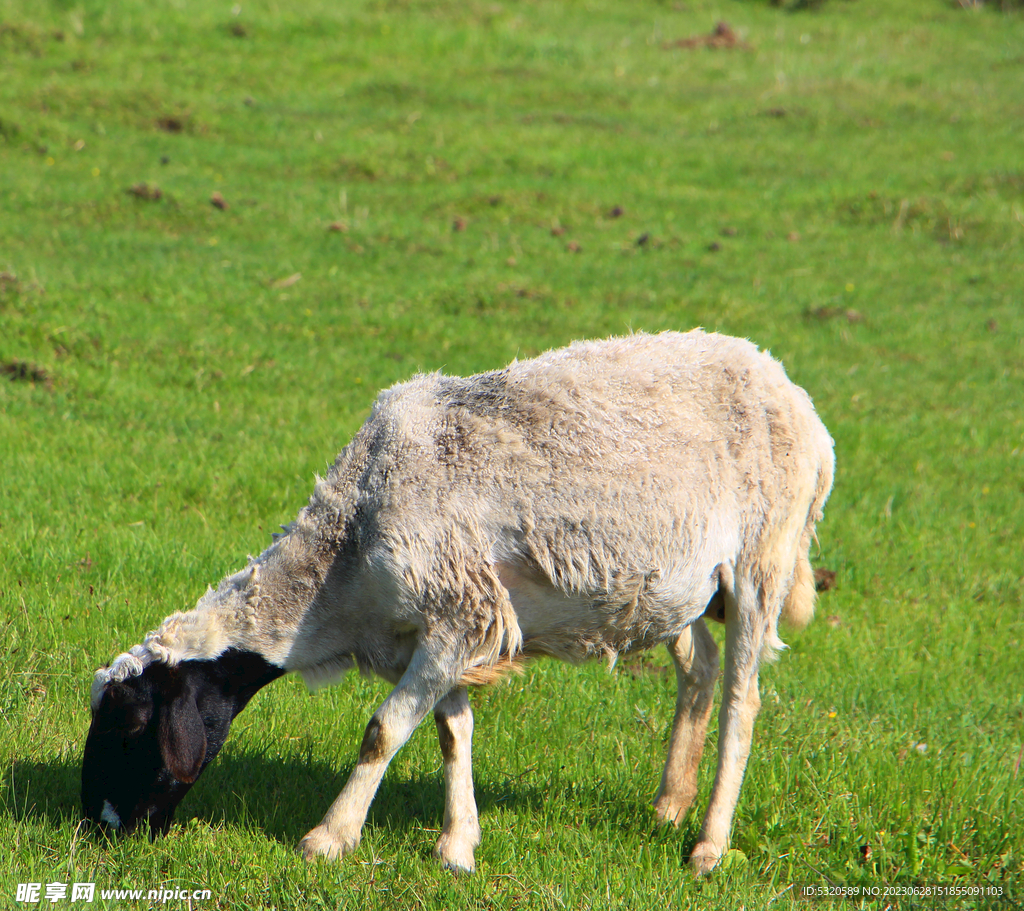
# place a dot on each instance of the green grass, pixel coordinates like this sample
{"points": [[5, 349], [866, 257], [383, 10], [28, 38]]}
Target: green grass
{"points": [[848, 192]]}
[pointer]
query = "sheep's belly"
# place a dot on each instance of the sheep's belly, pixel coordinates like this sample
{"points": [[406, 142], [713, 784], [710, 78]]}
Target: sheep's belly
{"points": [[575, 627]]}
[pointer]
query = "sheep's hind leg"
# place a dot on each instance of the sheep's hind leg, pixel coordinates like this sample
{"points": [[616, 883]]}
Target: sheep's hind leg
{"points": [[421, 687], [696, 659], [746, 624], [461, 833]]}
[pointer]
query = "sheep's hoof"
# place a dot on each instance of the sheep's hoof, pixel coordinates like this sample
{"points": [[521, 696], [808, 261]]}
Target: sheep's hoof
{"points": [[456, 854], [669, 810], [319, 842], [705, 857]]}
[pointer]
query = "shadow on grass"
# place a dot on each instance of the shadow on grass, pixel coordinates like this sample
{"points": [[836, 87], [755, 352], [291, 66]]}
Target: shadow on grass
{"points": [[284, 798], [42, 791]]}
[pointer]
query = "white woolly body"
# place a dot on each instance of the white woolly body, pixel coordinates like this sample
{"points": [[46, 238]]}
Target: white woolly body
{"points": [[578, 504], [584, 503]]}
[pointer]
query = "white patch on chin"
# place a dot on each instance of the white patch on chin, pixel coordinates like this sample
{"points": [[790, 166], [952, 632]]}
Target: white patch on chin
{"points": [[109, 815]]}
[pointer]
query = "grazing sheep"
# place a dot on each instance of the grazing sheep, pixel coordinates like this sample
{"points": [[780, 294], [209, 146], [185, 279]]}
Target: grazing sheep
{"points": [[598, 499]]}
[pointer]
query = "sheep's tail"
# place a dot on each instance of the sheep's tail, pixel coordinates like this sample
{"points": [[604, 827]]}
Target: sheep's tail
{"points": [[798, 607]]}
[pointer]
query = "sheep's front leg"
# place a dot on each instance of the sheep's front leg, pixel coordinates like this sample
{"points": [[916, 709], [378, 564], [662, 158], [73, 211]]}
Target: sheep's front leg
{"points": [[745, 630], [696, 659], [461, 833], [424, 683]]}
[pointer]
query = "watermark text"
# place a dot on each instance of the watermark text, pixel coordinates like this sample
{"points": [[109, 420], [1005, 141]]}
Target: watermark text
{"points": [[52, 893]]}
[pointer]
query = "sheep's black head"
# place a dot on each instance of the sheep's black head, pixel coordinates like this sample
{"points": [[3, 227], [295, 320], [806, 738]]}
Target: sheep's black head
{"points": [[152, 735]]}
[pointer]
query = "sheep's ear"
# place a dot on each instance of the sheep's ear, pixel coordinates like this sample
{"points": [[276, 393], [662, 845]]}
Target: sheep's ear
{"points": [[182, 737]]}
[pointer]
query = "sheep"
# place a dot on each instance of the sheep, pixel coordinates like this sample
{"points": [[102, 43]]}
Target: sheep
{"points": [[596, 500]]}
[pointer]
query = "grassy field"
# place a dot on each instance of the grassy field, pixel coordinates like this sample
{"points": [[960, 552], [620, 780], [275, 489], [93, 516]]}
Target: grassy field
{"points": [[223, 228]]}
